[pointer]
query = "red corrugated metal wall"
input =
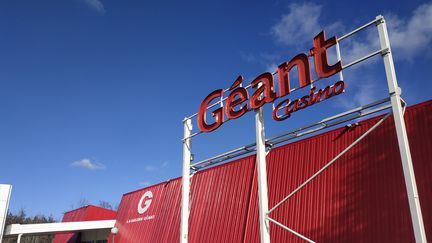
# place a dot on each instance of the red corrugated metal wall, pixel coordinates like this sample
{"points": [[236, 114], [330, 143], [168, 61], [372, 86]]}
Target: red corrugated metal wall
{"points": [[86, 213], [220, 198], [361, 198], [219, 202], [164, 207]]}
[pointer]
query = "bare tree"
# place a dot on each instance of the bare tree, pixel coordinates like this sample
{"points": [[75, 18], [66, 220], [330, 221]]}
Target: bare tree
{"points": [[105, 204], [82, 202]]}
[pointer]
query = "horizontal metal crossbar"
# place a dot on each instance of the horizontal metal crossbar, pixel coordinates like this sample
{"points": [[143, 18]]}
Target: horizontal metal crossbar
{"points": [[343, 117], [337, 119], [225, 156], [198, 133], [373, 22]]}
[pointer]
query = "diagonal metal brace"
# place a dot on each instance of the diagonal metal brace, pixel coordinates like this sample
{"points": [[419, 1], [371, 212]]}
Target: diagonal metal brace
{"points": [[330, 163]]}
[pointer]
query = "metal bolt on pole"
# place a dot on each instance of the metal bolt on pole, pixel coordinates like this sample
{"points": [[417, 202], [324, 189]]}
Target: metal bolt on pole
{"points": [[405, 153]]}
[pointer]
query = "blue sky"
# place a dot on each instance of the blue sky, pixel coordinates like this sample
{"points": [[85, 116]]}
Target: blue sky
{"points": [[93, 92]]}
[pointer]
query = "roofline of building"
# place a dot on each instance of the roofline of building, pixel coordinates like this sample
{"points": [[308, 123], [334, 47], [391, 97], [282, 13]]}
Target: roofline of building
{"points": [[52, 228]]}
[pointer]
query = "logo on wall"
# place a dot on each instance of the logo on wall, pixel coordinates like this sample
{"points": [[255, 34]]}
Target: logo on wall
{"points": [[144, 202]]}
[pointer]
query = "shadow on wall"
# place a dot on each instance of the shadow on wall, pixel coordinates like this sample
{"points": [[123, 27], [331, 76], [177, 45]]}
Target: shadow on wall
{"points": [[361, 197], [370, 203]]}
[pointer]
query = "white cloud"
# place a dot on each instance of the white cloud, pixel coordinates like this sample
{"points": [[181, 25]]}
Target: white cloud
{"points": [[164, 164], [149, 168], [362, 91], [411, 37], [88, 164], [296, 26], [96, 5]]}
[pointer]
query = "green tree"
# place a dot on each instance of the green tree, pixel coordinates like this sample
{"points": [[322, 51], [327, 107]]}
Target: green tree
{"points": [[22, 218]]}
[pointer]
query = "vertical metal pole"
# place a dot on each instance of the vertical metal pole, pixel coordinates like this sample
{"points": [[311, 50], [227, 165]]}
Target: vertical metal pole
{"points": [[410, 181], [114, 232], [19, 238], [262, 176], [5, 192], [339, 58], [187, 124]]}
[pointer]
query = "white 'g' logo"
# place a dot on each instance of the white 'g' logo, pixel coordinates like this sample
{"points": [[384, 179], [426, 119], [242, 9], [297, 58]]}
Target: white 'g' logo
{"points": [[147, 199]]}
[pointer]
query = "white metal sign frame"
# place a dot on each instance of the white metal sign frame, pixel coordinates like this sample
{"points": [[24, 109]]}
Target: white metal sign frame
{"points": [[261, 144], [5, 192]]}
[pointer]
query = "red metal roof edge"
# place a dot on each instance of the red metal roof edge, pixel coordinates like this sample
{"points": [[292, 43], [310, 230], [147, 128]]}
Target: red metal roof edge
{"points": [[76, 209], [413, 107], [179, 177], [154, 185], [86, 206], [101, 208], [421, 104]]}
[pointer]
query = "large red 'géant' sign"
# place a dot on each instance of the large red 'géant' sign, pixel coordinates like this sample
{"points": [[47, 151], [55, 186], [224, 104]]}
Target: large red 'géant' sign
{"points": [[236, 104]]}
